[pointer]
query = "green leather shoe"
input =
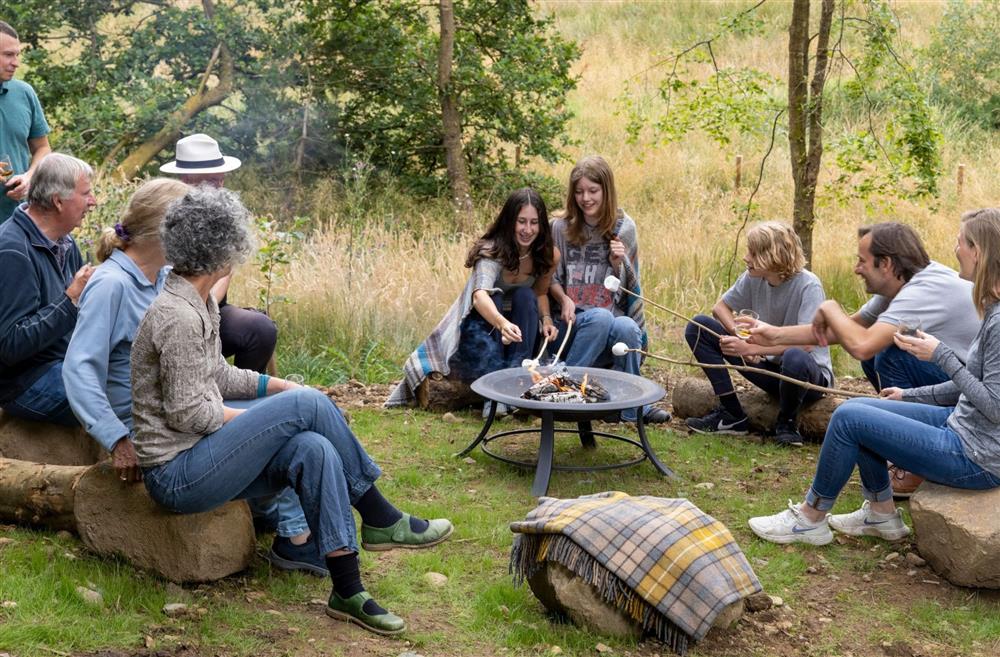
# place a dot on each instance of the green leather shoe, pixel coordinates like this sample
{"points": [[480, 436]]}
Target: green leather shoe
{"points": [[376, 539], [352, 610]]}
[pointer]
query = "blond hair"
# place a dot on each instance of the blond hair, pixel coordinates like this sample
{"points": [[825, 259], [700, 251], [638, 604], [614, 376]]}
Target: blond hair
{"points": [[596, 169], [142, 217], [981, 229], [774, 246]]}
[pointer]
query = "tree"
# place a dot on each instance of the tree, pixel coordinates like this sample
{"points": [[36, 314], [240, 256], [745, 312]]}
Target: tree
{"points": [[377, 66], [451, 118], [894, 153]]}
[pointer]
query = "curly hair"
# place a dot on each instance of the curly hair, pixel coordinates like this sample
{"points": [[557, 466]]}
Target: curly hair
{"points": [[774, 246], [205, 231], [499, 243]]}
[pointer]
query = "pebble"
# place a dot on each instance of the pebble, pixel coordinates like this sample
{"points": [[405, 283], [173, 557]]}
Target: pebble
{"points": [[705, 485], [90, 596], [317, 601], [8, 604], [174, 609], [436, 580], [912, 572], [600, 647], [776, 601], [812, 570], [915, 560], [555, 650], [504, 609], [450, 417], [892, 556], [825, 619], [757, 602], [6, 541], [469, 460], [410, 653], [866, 578]]}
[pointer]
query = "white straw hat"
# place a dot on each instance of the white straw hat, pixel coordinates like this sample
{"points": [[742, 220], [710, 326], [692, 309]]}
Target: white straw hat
{"points": [[200, 154]]}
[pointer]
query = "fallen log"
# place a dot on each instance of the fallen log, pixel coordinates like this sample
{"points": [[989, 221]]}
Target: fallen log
{"points": [[38, 494], [693, 397], [439, 393]]}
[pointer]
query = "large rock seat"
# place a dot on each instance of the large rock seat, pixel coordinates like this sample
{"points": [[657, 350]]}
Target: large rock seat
{"points": [[72, 491], [958, 533]]}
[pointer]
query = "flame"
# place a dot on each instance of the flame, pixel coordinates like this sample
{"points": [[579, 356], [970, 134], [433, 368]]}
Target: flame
{"points": [[583, 386]]}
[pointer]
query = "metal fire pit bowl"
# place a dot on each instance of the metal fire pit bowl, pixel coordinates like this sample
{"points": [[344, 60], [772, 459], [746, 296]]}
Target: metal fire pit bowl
{"points": [[626, 391]]}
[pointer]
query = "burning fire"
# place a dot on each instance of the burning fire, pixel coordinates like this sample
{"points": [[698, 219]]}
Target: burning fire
{"points": [[560, 387]]}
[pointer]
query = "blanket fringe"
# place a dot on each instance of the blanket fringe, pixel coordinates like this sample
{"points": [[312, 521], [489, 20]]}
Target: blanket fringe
{"points": [[531, 551]]}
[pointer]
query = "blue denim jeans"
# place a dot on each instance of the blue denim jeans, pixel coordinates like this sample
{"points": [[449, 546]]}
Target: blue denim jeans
{"points": [[480, 349], [283, 510], [869, 432], [296, 439], [45, 400], [795, 363], [595, 331], [894, 368]]}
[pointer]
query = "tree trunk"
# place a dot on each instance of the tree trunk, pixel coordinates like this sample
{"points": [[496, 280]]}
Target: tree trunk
{"points": [[38, 494], [451, 120], [174, 124], [805, 113]]}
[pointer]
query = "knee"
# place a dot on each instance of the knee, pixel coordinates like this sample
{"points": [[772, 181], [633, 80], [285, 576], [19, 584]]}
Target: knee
{"points": [[312, 448], [263, 329], [624, 329], [694, 329], [596, 317], [524, 297], [795, 362]]}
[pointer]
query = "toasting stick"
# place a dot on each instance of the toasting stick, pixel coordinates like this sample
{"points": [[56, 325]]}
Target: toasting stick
{"points": [[569, 327], [537, 359], [614, 284]]}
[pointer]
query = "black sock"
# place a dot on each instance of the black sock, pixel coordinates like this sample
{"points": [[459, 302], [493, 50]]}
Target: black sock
{"points": [[345, 571], [375, 510], [732, 405]]}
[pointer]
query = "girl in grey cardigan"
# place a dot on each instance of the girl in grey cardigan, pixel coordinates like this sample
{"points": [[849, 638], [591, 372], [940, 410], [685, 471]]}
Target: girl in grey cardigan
{"points": [[948, 433], [198, 451]]}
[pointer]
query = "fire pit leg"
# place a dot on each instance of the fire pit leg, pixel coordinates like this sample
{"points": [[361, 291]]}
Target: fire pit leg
{"points": [[546, 446], [587, 435], [641, 427], [482, 434]]}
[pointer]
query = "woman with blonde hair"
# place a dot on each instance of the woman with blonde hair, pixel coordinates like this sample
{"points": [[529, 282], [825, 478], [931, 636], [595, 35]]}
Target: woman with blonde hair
{"points": [[596, 239], [948, 433], [777, 289]]}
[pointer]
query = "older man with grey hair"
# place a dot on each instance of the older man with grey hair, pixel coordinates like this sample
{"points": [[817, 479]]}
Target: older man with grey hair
{"points": [[43, 276]]}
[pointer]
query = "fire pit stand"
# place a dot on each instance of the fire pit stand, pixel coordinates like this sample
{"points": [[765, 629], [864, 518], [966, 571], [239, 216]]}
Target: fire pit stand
{"points": [[626, 391]]}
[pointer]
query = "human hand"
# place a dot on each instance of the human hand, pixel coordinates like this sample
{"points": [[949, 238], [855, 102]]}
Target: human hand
{"points": [[79, 282], [509, 332], [616, 253], [819, 326], [549, 331], [922, 345], [762, 333], [125, 462], [568, 313], [733, 346], [891, 393], [230, 413], [17, 186]]}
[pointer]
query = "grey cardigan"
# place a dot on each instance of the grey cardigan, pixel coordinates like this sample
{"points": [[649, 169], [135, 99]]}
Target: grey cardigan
{"points": [[974, 390], [179, 377]]}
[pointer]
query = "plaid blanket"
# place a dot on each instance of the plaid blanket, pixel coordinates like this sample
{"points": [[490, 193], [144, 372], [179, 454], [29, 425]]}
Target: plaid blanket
{"points": [[664, 562]]}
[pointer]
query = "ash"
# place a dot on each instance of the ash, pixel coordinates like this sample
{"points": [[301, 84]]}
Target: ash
{"points": [[560, 388]]}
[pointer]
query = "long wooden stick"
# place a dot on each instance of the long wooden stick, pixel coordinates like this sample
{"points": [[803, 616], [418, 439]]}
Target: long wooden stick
{"points": [[569, 327], [746, 368], [668, 310], [545, 343]]}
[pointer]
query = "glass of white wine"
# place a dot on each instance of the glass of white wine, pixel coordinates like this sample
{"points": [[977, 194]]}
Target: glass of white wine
{"points": [[6, 167], [909, 326], [746, 319]]}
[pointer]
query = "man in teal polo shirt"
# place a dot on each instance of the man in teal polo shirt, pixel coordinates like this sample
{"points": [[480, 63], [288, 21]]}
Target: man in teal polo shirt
{"points": [[23, 129]]}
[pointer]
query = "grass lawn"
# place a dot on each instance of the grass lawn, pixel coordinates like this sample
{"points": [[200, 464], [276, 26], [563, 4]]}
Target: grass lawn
{"points": [[844, 599]]}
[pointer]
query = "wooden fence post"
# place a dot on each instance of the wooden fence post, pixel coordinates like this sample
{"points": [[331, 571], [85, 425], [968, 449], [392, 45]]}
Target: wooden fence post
{"points": [[960, 182], [739, 171]]}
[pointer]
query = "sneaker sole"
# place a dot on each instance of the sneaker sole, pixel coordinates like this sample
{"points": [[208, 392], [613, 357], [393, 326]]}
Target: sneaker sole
{"points": [[709, 432], [385, 547], [281, 563], [347, 618], [788, 443], [785, 539], [892, 536], [903, 495]]}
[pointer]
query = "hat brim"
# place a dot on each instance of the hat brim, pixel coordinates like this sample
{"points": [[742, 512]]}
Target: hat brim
{"points": [[231, 164]]}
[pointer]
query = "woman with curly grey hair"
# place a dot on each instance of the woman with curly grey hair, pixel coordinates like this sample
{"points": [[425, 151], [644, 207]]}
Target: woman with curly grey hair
{"points": [[198, 452]]}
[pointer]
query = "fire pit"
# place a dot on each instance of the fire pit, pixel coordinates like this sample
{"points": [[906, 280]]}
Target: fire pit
{"points": [[624, 391]]}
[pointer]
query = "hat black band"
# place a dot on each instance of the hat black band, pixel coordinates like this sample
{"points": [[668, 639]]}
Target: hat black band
{"points": [[203, 164]]}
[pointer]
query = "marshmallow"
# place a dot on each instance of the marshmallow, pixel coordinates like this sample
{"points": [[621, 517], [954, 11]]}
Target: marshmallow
{"points": [[612, 283], [620, 348]]}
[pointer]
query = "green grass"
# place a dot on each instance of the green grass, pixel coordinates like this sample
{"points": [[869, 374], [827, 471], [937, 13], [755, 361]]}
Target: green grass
{"points": [[479, 611]]}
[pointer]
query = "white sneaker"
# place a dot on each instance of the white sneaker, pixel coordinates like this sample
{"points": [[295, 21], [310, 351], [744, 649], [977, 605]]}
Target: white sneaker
{"points": [[791, 526], [865, 522]]}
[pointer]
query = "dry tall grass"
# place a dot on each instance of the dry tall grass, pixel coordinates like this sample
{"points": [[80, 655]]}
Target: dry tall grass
{"points": [[392, 286]]}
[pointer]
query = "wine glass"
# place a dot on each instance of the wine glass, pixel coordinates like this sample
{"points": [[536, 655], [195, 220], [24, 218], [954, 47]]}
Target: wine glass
{"points": [[909, 326], [6, 167]]}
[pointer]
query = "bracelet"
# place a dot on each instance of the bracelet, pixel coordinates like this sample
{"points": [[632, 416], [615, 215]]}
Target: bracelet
{"points": [[262, 385], [546, 317]]}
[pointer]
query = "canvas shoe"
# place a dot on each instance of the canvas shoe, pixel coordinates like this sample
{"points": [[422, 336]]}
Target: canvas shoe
{"points": [[791, 526], [786, 434], [719, 421], [285, 555], [865, 522], [352, 610], [399, 534]]}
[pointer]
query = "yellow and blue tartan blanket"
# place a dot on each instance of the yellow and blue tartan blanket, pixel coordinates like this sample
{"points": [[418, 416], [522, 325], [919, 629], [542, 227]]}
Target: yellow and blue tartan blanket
{"points": [[665, 563]]}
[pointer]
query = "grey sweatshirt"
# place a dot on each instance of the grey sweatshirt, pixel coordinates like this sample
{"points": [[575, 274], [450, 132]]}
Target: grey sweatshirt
{"points": [[974, 389]]}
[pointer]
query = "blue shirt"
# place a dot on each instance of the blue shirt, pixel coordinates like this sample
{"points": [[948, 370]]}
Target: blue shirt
{"points": [[36, 316], [96, 370], [21, 119]]}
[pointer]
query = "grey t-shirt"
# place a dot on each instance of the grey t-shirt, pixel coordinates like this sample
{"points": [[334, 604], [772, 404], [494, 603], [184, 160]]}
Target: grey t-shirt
{"points": [[793, 302], [939, 299]]}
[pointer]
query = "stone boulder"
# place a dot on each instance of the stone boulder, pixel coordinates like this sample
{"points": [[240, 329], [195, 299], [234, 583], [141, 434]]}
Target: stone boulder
{"points": [[113, 517], [958, 533], [39, 442], [562, 592]]}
